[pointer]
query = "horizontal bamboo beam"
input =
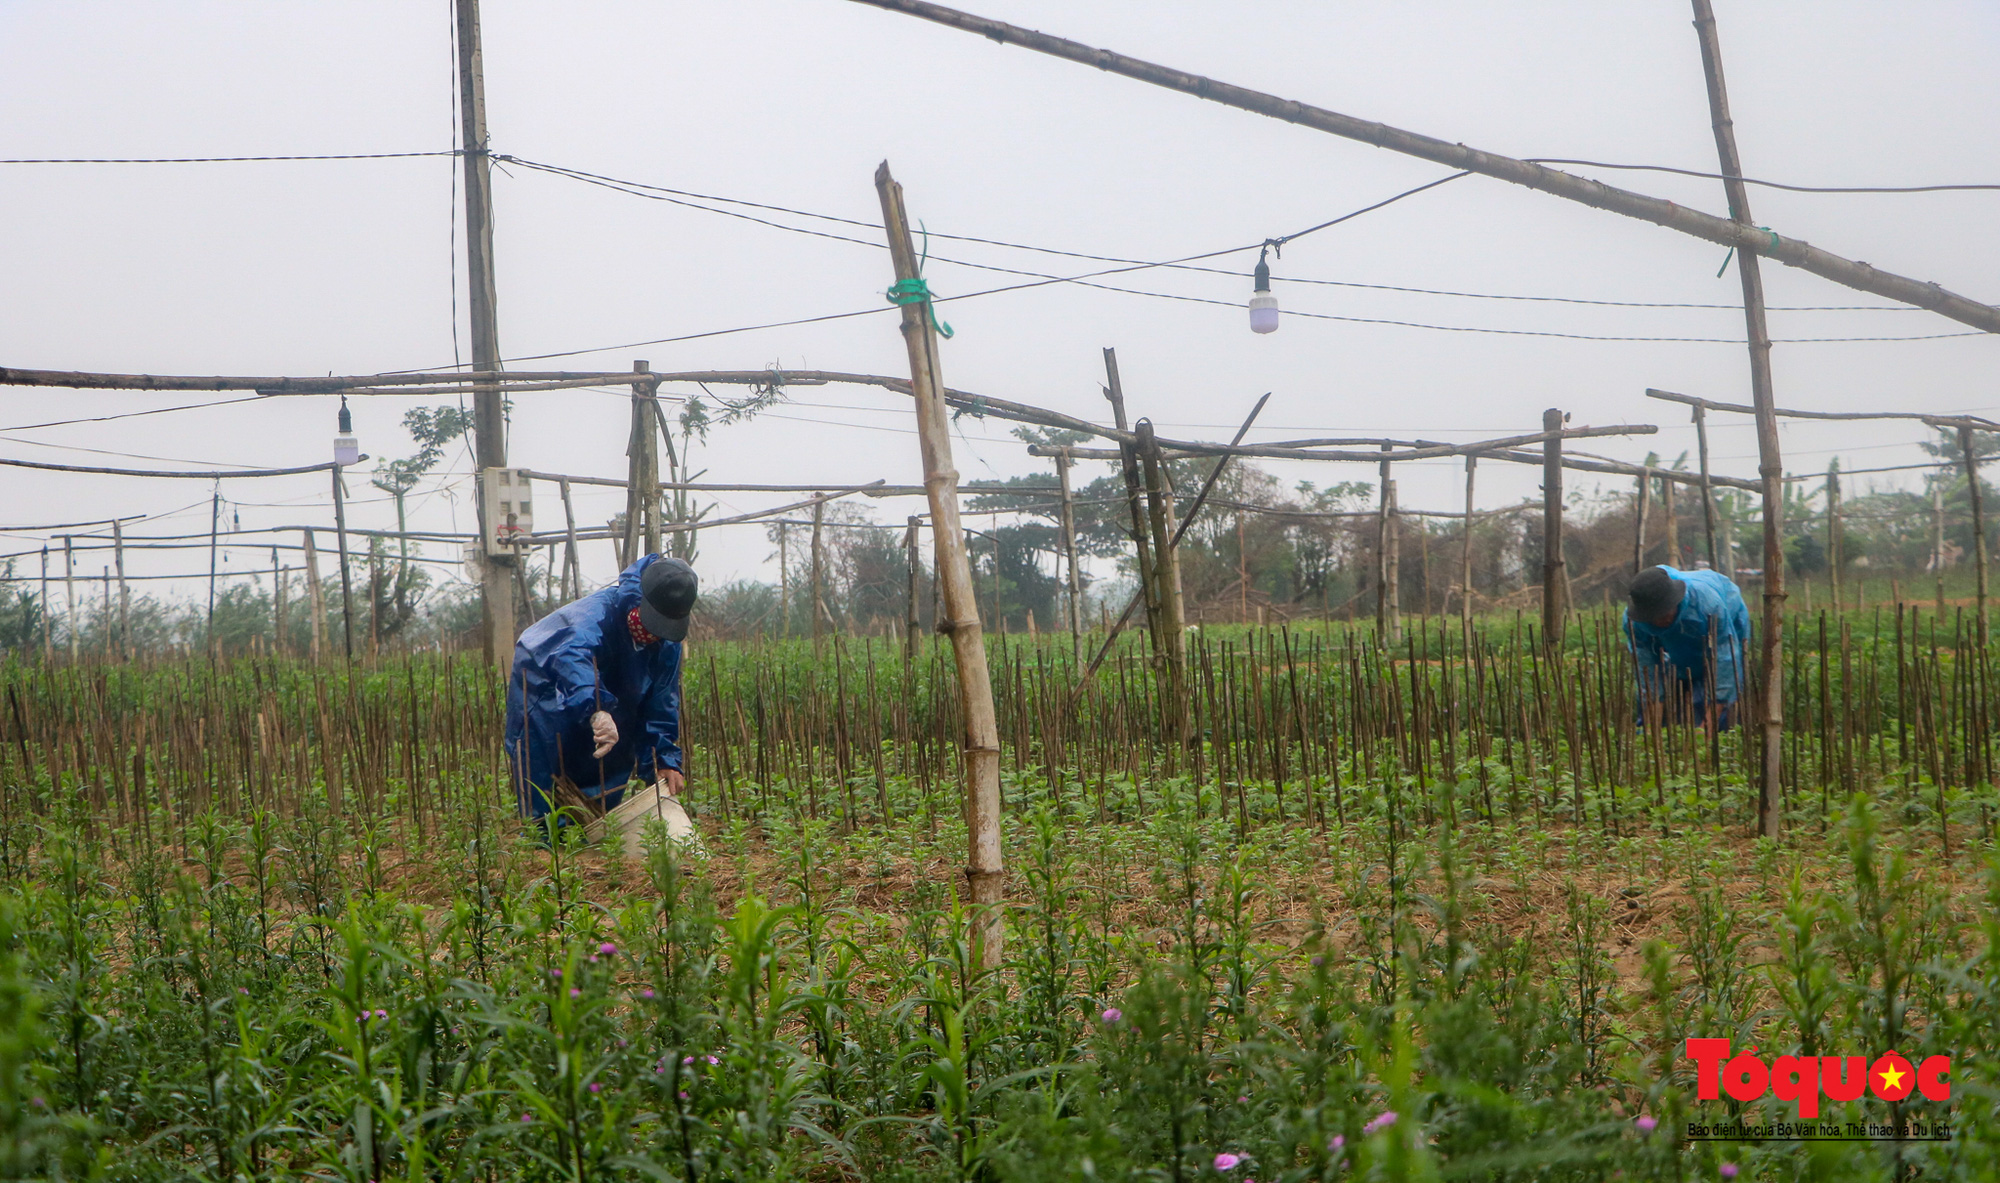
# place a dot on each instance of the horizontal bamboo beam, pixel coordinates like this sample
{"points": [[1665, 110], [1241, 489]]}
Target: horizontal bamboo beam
{"points": [[455, 381], [1972, 422], [1414, 450], [1721, 231], [210, 475]]}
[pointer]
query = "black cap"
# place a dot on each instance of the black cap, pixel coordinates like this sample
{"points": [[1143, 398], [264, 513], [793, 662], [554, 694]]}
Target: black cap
{"points": [[1656, 594], [667, 592]]}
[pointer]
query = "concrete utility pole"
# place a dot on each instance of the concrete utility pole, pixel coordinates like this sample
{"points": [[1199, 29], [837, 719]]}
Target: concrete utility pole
{"points": [[489, 416]]}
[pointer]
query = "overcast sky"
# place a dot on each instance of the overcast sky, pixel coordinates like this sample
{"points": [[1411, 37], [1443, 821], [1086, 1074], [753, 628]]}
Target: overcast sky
{"points": [[347, 266]]}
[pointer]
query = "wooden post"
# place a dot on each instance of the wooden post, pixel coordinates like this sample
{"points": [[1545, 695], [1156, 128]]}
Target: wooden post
{"points": [[1382, 551], [489, 409], [1707, 489], [1069, 558], [1833, 535], [277, 602], [1770, 462], [214, 527], [124, 591], [572, 558], [1172, 655], [1392, 560], [1673, 515], [1242, 572], [375, 595], [784, 584], [816, 603], [346, 580], [316, 597], [642, 477], [1128, 463], [1639, 511], [48, 618], [913, 618], [1965, 444], [984, 871], [1554, 593], [1465, 561], [69, 596]]}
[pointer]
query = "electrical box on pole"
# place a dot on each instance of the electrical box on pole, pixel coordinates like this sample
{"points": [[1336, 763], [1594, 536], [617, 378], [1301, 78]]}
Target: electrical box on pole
{"points": [[508, 510]]}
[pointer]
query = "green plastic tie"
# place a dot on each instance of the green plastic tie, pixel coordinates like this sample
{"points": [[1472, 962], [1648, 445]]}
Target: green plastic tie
{"points": [[916, 291]]}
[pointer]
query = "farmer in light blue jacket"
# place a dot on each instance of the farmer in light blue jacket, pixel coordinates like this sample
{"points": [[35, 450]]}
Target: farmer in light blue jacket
{"points": [[1690, 633], [595, 697]]}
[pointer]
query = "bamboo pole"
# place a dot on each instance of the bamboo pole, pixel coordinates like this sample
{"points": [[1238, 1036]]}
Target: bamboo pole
{"points": [[48, 618], [1707, 486], [124, 591], [816, 591], [1382, 551], [316, 596], [1736, 233], [572, 558], [1965, 444], [69, 596], [214, 529], [1069, 559], [984, 870], [1554, 571], [1770, 463], [1128, 466], [1643, 505], [347, 582], [1465, 562], [277, 600], [1673, 515], [913, 621], [784, 584], [1172, 652], [1833, 535], [1392, 561]]}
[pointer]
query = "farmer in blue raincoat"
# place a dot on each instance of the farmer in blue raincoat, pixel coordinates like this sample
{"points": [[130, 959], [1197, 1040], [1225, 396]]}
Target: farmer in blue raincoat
{"points": [[1690, 632], [595, 698]]}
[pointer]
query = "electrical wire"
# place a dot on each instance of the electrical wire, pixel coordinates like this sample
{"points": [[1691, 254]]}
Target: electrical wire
{"points": [[255, 398], [232, 159], [1689, 172]]}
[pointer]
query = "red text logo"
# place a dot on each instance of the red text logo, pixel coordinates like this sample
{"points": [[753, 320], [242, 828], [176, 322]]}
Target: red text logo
{"points": [[1804, 1078]]}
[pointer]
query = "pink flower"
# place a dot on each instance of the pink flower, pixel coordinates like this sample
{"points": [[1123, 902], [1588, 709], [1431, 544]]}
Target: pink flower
{"points": [[608, 949], [1242, 1100], [1226, 1162], [687, 1059], [646, 993], [1339, 1140], [712, 1059], [684, 1095], [1112, 1014], [575, 993], [596, 1087], [1728, 1170], [1647, 1123], [381, 1014], [527, 1117], [1381, 1121]]}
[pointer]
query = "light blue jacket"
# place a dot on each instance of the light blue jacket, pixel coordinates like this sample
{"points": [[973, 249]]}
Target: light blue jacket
{"points": [[1681, 650]]}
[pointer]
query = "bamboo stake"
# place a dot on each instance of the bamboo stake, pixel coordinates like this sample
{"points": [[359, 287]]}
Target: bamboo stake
{"points": [[317, 597], [1965, 444], [1382, 551], [1644, 504], [69, 595], [1392, 560], [1770, 464], [1833, 535], [124, 592], [572, 559], [984, 869], [816, 590], [1553, 569], [1069, 559], [277, 600], [1707, 486], [913, 630], [1673, 515], [48, 618], [1465, 562], [1172, 651], [1128, 461]]}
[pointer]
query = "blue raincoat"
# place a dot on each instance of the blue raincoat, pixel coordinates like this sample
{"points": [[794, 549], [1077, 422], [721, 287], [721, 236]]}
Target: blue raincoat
{"points": [[574, 662], [1674, 662]]}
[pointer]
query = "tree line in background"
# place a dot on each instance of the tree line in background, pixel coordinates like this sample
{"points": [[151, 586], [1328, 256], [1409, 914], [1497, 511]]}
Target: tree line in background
{"points": [[1261, 550]]}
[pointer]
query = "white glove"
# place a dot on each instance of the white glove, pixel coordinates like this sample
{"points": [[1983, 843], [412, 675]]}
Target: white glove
{"points": [[604, 731]]}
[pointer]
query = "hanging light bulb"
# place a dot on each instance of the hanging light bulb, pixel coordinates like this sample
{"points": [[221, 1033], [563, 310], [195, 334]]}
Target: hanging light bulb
{"points": [[346, 448], [1263, 305]]}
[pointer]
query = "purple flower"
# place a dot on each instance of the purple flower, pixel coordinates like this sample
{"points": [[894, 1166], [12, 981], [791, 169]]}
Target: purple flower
{"points": [[1381, 1121], [659, 1070], [1112, 1014], [608, 949], [687, 1059], [596, 1087], [527, 1117], [1728, 1170], [593, 959], [712, 1059], [1647, 1123], [684, 1095], [575, 993], [381, 1014], [244, 990], [646, 993], [1242, 1100], [1339, 1140], [1226, 1162]]}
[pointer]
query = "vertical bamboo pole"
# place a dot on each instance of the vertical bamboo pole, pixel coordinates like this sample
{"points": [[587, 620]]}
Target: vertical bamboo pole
{"points": [[913, 620], [1382, 551], [1770, 462], [1833, 535], [1639, 511], [346, 581], [816, 604], [69, 595], [1172, 654], [1937, 539], [48, 618], [1965, 445], [572, 558], [1707, 487], [1392, 560], [375, 594], [1069, 558], [1554, 580], [1465, 560], [316, 596], [277, 602], [984, 871], [642, 479], [1128, 462], [124, 591], [1672, 513], [214, 529]]}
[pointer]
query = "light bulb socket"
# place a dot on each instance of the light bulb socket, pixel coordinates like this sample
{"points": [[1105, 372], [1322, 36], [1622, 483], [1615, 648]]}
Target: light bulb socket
{"points": [[1263, 275], [346, 419]]}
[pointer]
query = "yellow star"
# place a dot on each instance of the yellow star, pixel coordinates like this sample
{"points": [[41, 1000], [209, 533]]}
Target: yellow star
{"points": [[1891, 1079]]}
